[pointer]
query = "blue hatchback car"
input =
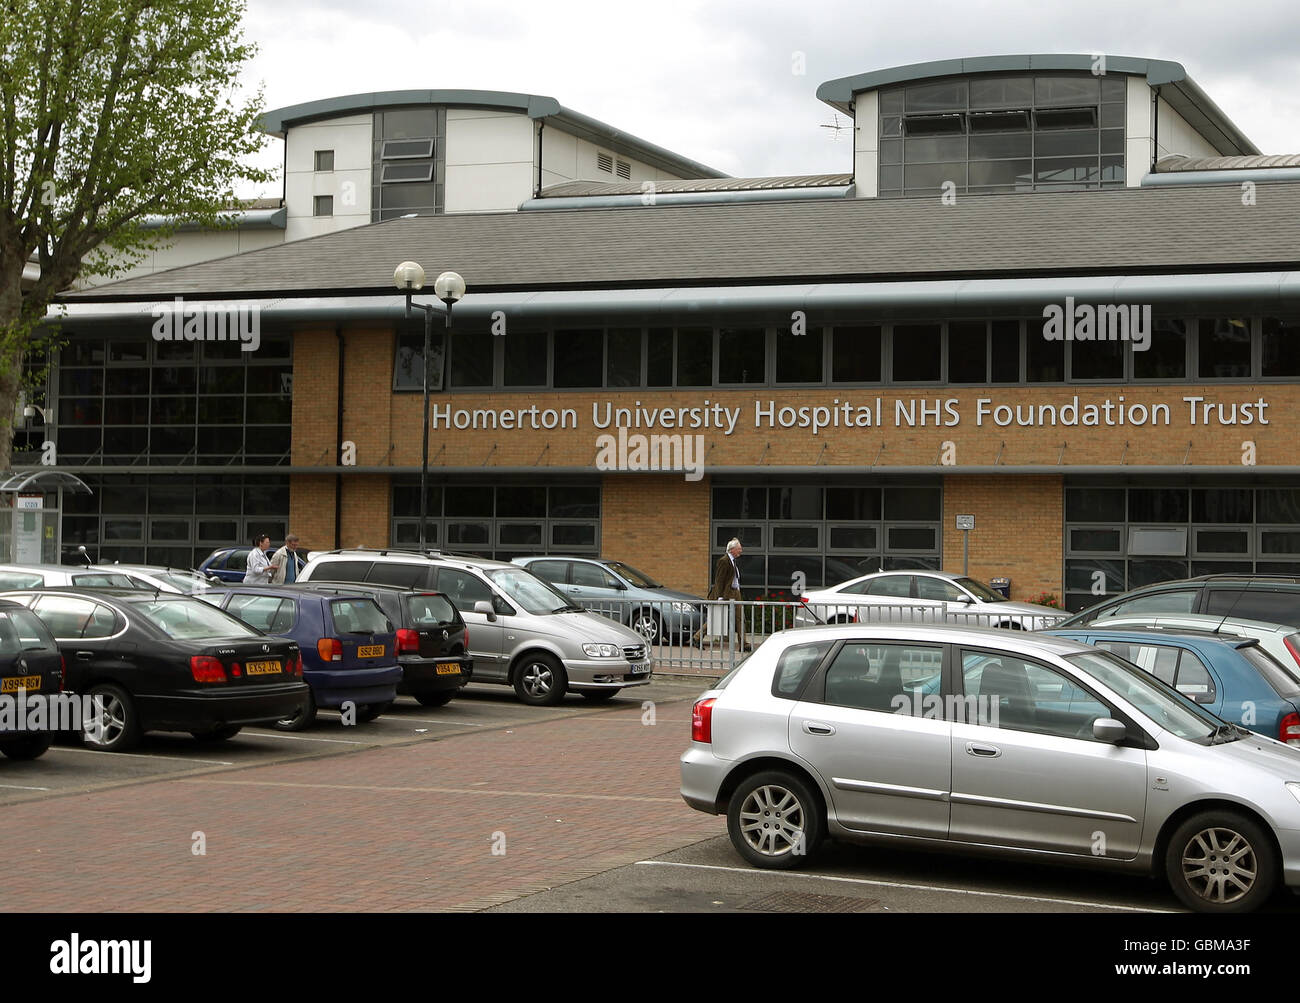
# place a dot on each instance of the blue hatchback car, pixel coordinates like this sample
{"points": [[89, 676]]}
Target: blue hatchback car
{"points": [[349, 646], [1230, 676]]}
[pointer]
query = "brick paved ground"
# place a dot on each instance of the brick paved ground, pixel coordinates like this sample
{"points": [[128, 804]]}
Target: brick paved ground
{"points": [[409, 827]]}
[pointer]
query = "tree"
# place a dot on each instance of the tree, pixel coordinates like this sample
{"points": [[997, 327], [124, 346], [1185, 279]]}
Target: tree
{"points": [[113, 113]]}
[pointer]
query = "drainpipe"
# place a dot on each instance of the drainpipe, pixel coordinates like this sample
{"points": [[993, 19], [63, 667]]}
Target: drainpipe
{"points": [[537, 189], [338, 438], [1155, 128]]}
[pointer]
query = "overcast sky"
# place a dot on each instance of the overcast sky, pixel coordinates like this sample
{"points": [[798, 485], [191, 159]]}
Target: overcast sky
{"points": [[716, 81]]}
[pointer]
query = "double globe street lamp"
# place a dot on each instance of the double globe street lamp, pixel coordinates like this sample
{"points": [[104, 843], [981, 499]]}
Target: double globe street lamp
{"points": [[448, 287]]}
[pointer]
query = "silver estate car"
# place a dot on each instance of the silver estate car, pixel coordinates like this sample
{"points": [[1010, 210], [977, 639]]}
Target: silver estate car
{"points": [[991, 741]]}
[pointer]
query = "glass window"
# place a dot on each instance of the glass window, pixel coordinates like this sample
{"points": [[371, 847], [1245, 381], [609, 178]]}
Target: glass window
{"points": [[1045, 359], [659, 357], [795, 665], [407, 576], [190, 619], [525, 359], [855, 355], [917, 353], [591, 576], [471, 358], [1222, 505], [1281, 347], [578, 358], [1160, 660], [574, 502], [804, 503], [1166, 358], [462, 588], [890, 585], [845, 504], [550, 571], [695, 357], [623, 363], [1255, 604], [1194, 680], [938, 590], [1157, 505], [968, 352], [742, 355], [266, 613], [1169, 601], [799, 357], [1224, 348], [1014, 694], [359, 616], [739, 503], [1006, 351], [913, 504], [430, 611], [883, 677], [1097, 360]]}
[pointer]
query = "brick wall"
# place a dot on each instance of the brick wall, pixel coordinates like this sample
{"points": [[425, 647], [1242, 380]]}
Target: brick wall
{"points": [[1017, 534], [660, 525]]}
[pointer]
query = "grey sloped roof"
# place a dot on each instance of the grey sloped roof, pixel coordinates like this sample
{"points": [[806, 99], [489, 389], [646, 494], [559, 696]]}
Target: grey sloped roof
{"points": [[572, 189], [1177, 162], [1132, 230]]}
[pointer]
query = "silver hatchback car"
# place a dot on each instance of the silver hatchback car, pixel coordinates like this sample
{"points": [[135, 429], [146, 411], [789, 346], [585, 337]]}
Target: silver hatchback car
{"points": [[984, 740]]}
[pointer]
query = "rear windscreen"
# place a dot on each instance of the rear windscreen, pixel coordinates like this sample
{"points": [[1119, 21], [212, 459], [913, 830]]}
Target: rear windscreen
{"points": [[191, 620], [430, 611], [358, 616], [1255, 604]]}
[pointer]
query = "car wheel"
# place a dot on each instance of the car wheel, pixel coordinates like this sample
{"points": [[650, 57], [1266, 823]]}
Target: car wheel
{"points": [[646, 622], [27, 747], [540, 680], [775, 820], [305, 717], [1221, 861], [218, 734], [599, 696], [115, 729], [371, 711], [435, 699]]}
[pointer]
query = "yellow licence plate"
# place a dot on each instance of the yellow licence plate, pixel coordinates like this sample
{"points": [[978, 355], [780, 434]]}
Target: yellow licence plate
{"points": [[12, 684], [262, 668], [448, 669], [370, 650]]}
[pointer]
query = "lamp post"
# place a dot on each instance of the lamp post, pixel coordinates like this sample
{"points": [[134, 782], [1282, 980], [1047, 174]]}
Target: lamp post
{"points": [[448, 287]]}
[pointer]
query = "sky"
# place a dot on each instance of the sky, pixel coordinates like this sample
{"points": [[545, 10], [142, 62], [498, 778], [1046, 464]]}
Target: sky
{"points": [[732, 83]]}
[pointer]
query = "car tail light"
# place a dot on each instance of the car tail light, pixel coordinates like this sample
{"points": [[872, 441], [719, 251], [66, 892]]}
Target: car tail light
{"points": [[235, 670], [1289, 730], [1292, 642], [295, 664], [465, 640], [408, 640], [702, 720], [206, 669], [330, 649]]}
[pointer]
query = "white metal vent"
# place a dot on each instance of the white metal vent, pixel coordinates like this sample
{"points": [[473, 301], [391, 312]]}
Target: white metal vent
{"points": [[624, 170], [604, 162]]}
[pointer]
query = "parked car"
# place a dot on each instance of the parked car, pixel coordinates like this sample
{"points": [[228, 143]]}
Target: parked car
{"points": [[162, 579], [1231, 677], [1279, 640], [227, 564], [1031, 747], [522, 633], [926, 596], [349, 647], [432, 639], [36, 576], [165, 662], [623, 593], [30, 661], [1270, 598]]}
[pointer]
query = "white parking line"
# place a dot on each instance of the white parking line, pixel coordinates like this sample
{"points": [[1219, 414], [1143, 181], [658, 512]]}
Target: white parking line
{"points": [[139, 755], [903, 884], [425, 720], [304, 738], [16, 787]]}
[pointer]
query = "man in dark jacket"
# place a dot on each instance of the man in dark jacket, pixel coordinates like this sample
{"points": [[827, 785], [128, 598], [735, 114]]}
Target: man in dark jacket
{"points": [[726, 585]]}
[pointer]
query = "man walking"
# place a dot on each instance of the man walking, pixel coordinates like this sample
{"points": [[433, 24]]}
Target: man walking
{"points": [[285, 562], [726, 585]]}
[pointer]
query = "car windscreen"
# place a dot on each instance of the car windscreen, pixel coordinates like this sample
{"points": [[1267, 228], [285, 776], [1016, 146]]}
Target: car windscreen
{"points": [[981, 591], [191, 620], [1161, 703], [430, 611], [113, 580], [186, 581], [21, 630], [638, 578], [529, 591], [359, 616]]}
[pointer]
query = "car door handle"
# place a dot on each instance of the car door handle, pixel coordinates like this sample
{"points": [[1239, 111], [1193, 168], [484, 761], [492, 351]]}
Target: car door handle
{"points": [[988, 751], [84, 656], [817, 728]]}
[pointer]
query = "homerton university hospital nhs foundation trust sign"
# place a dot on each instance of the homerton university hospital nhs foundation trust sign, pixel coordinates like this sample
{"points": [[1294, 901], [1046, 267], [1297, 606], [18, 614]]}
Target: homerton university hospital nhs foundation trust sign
{"points": [[1191, 410]]}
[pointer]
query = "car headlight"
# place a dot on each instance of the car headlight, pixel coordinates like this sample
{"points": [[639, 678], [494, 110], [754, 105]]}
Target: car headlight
{"points": [[602, 650], [682, 607], [1294, 788]]}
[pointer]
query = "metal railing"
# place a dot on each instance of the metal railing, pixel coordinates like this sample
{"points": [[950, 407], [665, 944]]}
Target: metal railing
{"points": [[709, 637]]}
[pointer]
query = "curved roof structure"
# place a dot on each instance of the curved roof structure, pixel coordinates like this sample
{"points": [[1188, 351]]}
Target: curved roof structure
{"points": [[278, 121], [1176, 87]]}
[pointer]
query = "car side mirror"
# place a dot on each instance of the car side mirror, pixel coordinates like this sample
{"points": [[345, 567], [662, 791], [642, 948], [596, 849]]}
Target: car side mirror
{"points": [[1107, 729], [614, 583], [485, 607]]}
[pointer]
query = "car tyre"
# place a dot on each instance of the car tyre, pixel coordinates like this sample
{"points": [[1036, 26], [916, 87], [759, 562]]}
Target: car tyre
{"points": [[120, 728], [220, 733], [27, 747], [647, 623], [540, 680], [304, 719], [435, 699], [775, 820], [600, 696], [371, 711], [1221, 862]]}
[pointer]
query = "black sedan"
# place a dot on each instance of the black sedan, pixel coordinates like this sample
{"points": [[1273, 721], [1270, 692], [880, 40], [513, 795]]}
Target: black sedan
{"points": [[30, 668], [159, 662]]}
